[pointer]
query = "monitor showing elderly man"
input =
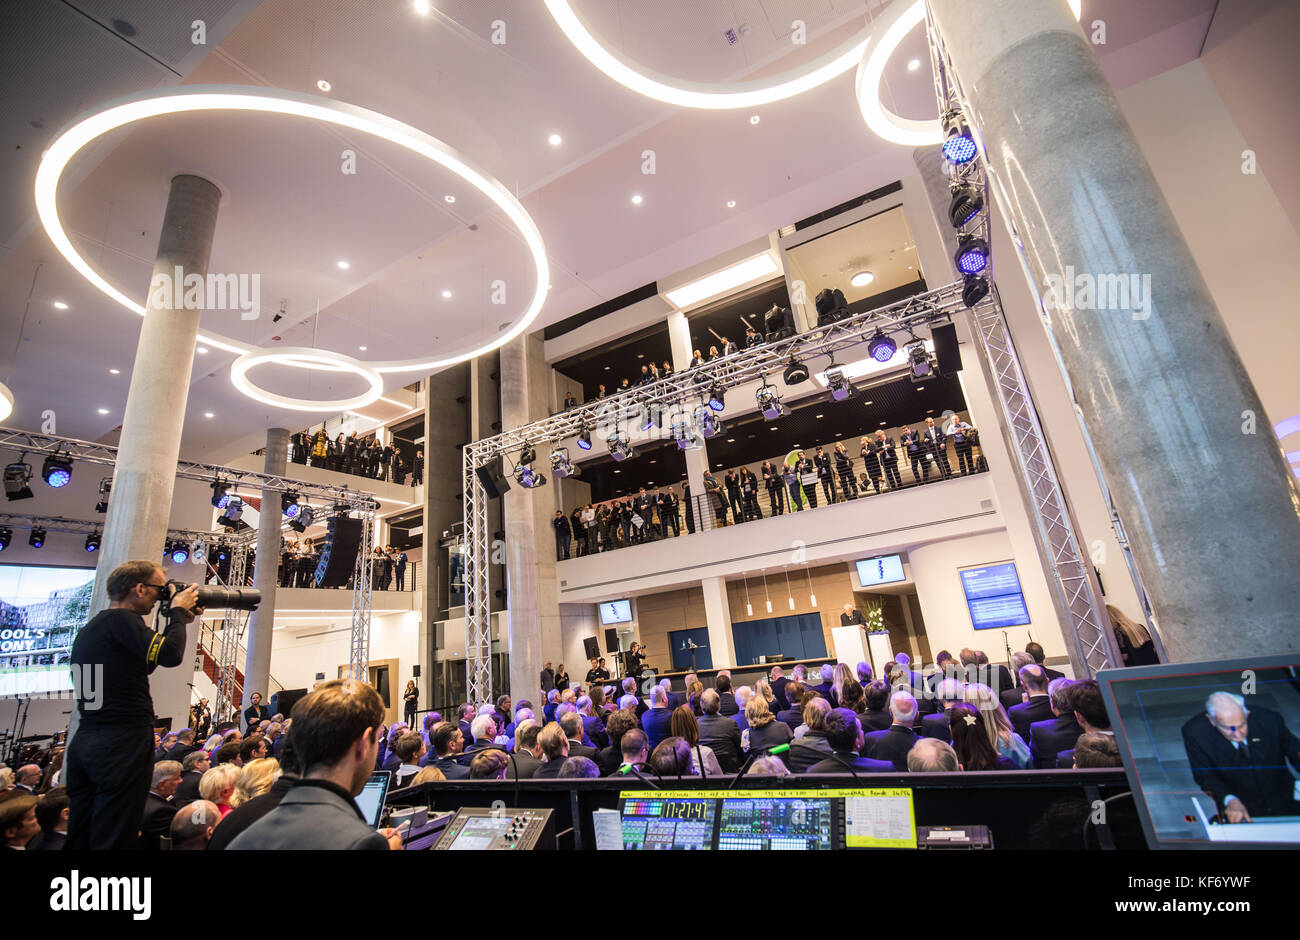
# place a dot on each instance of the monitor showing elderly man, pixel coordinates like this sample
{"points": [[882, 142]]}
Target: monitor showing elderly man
{"points": [[1239, 756]]}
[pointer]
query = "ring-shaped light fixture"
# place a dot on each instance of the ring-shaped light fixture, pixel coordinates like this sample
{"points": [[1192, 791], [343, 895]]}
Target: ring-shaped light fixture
{"points": [[6, 402], [138, 107], [708, 95], [894, 25], [306, 358]]}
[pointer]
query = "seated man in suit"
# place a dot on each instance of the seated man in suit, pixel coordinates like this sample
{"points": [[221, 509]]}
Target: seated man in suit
{"points": [[932, 755], [593, 727], [726, 699], [777, 679], [571, 723], [555, 750], [719, 732], [1037, 706], [448, 743], [528, 753], [484, 730], [996, 677], [1089, 712], [845, 736], [184, 745], [158, 807], [336, 737], [1049, 738], [875, 715], [634, 750], [1036, 650], [894, 743], [793, 716], [1015, 695], [630, 688], [947, 693], [552, 703], [743, 695], [655, 722], [194, 766], [1239, 756], [465, 719], [168, 742]]}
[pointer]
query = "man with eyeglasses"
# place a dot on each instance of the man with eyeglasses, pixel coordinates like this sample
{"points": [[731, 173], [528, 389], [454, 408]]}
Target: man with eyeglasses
{"points": [[1239, 756], [109, 760]]}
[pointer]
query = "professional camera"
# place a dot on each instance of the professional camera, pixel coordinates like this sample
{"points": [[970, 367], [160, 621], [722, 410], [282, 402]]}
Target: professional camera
{"points": [[215, 597]]}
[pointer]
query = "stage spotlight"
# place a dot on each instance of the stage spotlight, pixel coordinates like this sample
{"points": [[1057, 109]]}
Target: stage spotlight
{"points": [[795, 372], [234, 509], [105, 487], [881, 347], [584, 439], [6, 536], [717, 397], [921, 364], [967, 202], [972, 254], [37, 538], [561, 466], [219, 494], [619, 448], [306, 516], [177, 553], [686, 433], [529, 478], [57, 471], [959, 147], [223, 552], [198, 552], [527, 455], [769, 402], [18, 477], [976, 289], [92, 542], [708, 423], [840, 387], [289, 505]]}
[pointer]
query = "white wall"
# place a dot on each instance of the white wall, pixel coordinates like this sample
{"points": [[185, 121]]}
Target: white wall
{"points": [[297, 657]]}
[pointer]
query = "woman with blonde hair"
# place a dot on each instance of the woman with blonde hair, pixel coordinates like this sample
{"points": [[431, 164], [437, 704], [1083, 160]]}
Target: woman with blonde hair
{"points": [[764, 731], [843, 674], [255, 778], [217, 785], [427, 774], [764, 688], [1135, 643], [997, 725], [211, 744]]}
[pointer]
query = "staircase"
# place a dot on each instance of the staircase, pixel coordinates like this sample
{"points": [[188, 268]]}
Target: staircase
{"points": [[209, 647]]}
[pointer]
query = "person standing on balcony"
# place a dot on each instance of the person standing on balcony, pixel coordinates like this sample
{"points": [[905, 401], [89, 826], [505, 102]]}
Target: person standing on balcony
{"points": [[732, 482], [579, 532], [689, 508], [563, 535], [772, 478], [871, 462], [350, 464], [749, 493], [914, 445], [962, 435], [844, 467], [808, 476], [399, 567], [823, 463], [936, 443], [887, 453], [417, 470]]}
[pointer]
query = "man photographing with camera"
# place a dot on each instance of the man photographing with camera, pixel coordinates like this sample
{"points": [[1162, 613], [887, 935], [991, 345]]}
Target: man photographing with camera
{"points": [[110, 759]]}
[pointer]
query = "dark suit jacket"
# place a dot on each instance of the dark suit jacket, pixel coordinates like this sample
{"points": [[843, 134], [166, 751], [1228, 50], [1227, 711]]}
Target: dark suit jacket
{"points": [[51, 842], [792, 717], [549, 770], [391, 762], [450, 768], [723, 735], [875, 719], [676, 700], [254, 715], [179, 752], [936, 726], [778, 690], [242, 817], [548, 713], [469, 753], [890, 745], [157, 820], [835, 764], [1038, 708], [465, 731], [850, 619], [608, 760], [1259, 778], [595, 731], [188, 791], [1010, 698], [729, 706], [578, 749], [655, 723], [314, 814], [1052, 673], [1049, 738], [806, 751], [526, 763]]}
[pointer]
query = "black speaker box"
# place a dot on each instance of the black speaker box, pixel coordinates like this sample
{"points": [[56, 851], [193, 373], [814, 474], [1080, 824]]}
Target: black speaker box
{"points": [[282, 702], [338, 558], [415, 671], [611, 640], [494, 483], [946, 352], [591, 646]]}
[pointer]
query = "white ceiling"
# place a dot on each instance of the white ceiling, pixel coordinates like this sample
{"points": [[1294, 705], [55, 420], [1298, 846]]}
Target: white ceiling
{"points": [[290, 214]]}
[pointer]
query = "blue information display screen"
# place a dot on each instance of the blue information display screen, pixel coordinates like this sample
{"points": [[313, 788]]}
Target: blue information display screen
{"points": [[882, 570], [616, 612], [993, 596]]}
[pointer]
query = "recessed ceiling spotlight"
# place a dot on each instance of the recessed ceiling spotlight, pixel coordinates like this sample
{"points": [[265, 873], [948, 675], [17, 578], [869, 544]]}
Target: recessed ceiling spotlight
{"points": [[862, 279], [60, 305], [203, 350], [446, 294], [103, 411], [637, 200], [731, 203], [422, 7], [208, 414], [449, 198], [555, 140], [362, 348], [754, 119], [324, 85], [913, 65], [343, 265], [114, 371]]}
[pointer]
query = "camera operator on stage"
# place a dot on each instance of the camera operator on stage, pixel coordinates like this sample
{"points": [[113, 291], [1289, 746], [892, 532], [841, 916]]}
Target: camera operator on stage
{"points": [[110, 760]]}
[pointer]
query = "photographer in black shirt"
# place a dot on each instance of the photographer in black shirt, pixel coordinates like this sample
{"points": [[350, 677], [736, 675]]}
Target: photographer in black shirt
{"points": [[110, 759]]}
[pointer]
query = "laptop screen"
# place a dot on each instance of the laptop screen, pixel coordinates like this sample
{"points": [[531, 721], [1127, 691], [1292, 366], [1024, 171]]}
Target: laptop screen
{"points": [[371, 798]]}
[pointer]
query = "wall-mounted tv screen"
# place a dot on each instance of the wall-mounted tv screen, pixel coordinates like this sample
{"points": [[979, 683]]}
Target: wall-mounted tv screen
{"points": [[41, 610], [993, 596], [616, 612], [883, 570]]}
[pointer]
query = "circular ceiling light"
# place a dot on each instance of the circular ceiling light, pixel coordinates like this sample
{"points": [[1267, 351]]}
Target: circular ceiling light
{"points": [[304, 357], [144, 105], [6, 402], [862, 279], [708, 95], [555, 140], [637, 200], [324, 85], [894, 25], [60, 305]]}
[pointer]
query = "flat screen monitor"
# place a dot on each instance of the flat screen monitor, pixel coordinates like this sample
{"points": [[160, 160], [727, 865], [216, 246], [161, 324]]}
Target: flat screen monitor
{"points": [[660, 822], [372, 796], [883, 570], [616, 612], [763, 823], [1204, 744], [993, 596], [41, 611], [478, 833]]}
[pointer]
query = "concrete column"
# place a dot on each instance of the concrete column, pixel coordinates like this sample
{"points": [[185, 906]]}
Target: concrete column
{"points": [[150, 443], [257, 659], [1179, 430], [717, 612], [532, 593]]}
